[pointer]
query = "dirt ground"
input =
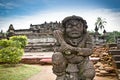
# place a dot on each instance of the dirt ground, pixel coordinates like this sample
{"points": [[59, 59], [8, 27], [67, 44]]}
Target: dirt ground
{"points": [[46, 74]]}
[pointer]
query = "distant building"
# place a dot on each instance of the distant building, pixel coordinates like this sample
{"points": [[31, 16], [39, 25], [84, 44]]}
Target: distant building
{"points": [[39, 35], [2, 35], [35, 31]]}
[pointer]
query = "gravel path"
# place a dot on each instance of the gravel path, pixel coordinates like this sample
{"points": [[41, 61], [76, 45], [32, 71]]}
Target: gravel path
{"points": [[46, 74]]}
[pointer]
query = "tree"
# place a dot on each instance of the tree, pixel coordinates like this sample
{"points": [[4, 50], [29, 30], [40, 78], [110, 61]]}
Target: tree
{"points": [[111, 37], [100, 23]]}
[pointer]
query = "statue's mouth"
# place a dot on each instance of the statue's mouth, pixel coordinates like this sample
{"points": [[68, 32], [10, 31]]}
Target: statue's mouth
{"points": [[74, 33]]}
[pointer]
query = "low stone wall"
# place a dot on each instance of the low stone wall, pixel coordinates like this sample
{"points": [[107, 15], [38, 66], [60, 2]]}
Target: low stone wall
{"points": [[37, 61], [37, 58], [30, 60]]}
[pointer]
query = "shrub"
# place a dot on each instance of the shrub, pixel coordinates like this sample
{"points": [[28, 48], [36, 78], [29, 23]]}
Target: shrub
{"points": [[11, 55], [21, 39], [4, 43], [11, 51], [111, 37]]}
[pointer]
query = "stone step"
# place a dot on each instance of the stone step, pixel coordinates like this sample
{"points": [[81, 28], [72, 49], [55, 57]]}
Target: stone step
{"points": [[118, 70], [112, 45], [116, 57], [114, 52], [118, 73], [117, 63]]}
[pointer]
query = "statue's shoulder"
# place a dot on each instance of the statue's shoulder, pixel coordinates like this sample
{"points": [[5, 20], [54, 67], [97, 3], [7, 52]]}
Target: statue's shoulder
{"points": [[89, 41], [88, 35]]}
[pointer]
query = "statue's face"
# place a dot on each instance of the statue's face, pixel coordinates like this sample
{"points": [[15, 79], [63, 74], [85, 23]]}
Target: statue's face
{"points": [[74, 29]]}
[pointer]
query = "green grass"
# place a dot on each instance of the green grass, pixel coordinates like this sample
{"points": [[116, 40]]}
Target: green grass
{"points": [[21, 72]]}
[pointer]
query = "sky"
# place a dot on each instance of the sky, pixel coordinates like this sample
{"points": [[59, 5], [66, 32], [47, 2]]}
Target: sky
{"points": [[22, 13]]}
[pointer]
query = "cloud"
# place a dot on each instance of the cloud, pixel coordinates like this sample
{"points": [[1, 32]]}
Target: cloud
{"points": [[23, 22], [1, 4], [8, 5]]}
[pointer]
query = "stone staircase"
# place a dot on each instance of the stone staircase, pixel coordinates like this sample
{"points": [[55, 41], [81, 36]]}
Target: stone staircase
{"points": [[116, 60], [39, 47], [115, 52]]}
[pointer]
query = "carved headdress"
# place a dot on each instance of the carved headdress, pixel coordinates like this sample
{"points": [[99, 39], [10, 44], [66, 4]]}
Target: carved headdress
{"points": [[67, 19]]}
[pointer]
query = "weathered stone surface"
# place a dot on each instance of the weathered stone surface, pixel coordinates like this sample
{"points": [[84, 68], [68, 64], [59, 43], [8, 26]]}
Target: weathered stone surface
{"points": [[109, 69], [75, 46], [103, 72]]}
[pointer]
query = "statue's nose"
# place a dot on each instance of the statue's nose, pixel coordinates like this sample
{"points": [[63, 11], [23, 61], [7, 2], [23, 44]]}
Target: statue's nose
{"points": [[75, 28]]}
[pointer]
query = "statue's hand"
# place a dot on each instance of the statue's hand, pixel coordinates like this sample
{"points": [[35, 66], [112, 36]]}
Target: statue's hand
{"points": [[65, 48], [83, 51]]}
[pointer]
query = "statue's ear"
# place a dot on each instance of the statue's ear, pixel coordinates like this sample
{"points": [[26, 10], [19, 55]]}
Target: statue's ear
{"points": [[85, 28], [63, 29]]}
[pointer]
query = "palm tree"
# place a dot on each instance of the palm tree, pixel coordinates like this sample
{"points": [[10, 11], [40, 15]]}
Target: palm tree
{"points": [[100, 23]]}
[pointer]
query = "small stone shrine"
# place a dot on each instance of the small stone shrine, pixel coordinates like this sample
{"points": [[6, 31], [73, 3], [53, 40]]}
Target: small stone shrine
{"points": [[71, 59]]}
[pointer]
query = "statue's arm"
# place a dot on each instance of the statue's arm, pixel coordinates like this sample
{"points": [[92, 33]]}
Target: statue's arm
{"points": [[58, 35], [84, 51], [88, 50], [63, 45]]}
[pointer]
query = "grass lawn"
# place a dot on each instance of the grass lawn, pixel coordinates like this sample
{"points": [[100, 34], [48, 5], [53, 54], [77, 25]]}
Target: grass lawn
{"points": [[21, 72]]}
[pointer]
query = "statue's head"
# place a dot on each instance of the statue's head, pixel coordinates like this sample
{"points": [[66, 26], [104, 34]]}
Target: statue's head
{"points": [[74, 26]]}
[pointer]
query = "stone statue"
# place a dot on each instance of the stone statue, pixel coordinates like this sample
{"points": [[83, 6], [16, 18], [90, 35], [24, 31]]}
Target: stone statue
{"points": [[71, 61]]}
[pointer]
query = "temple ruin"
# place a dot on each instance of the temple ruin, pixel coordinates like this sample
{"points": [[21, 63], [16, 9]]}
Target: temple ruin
{"points": [[39, 36]]}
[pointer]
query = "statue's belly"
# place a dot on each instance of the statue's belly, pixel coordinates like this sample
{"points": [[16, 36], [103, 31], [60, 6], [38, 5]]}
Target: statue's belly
{"points": [[75, 59]]}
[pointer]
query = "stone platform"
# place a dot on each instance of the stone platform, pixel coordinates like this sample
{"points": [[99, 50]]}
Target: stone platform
{"points": [[42, 58], [37, 58]]}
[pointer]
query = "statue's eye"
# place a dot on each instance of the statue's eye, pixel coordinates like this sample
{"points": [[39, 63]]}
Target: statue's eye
{"points": [[69, 26], [79, 25]]}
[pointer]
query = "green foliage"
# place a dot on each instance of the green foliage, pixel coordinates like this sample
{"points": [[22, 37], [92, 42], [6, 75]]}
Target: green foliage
{"points": [[111, 37], [11, 55], [11, 50], [4, 43], [21, 39], [15, 44]]}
